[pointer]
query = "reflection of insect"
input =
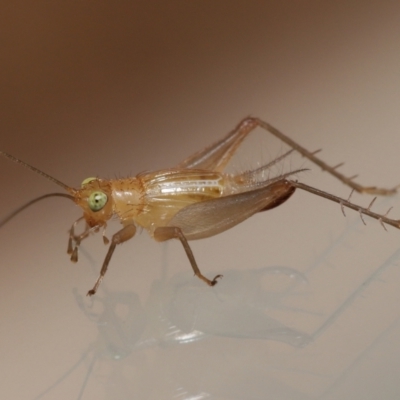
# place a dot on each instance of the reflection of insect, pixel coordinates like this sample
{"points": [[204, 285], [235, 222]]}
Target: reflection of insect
{"points": [[195, 199], [120, 321]]}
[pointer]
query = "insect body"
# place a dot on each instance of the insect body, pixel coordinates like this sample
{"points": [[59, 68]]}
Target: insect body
{"points": [[194, 200]]}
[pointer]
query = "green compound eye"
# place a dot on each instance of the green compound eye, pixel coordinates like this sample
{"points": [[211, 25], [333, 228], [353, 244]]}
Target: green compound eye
{"points": [[97, 200], [87, 180]]}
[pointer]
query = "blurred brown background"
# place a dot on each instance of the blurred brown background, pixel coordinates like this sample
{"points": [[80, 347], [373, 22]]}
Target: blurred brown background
{"points": [[114, 88], [85, 81]]}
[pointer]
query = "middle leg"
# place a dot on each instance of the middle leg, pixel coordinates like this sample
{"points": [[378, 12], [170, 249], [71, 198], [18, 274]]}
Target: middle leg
{"points": [[171, 232]]}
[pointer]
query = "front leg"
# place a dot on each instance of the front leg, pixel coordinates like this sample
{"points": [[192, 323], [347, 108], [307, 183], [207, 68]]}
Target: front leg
{"points": [[126, 233], [75, 240], [172, 232]]}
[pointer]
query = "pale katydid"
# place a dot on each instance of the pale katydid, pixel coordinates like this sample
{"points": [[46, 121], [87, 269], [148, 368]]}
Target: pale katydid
{"points": [[193, 200]]}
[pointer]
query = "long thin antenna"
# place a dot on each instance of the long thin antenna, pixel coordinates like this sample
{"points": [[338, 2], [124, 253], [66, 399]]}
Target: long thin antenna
{"points": [[29, 203], [38, 171]]}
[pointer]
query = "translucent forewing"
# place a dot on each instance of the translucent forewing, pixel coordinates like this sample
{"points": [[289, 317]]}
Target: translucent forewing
{"points": [[210, 217]]}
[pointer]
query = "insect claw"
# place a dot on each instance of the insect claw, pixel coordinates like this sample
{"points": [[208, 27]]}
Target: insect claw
{"points": [[214, 281]]}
